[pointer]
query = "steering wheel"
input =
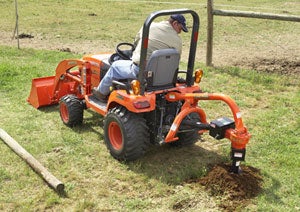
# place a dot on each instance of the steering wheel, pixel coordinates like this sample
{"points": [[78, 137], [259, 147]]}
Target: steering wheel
{"points": [[123, 51]]}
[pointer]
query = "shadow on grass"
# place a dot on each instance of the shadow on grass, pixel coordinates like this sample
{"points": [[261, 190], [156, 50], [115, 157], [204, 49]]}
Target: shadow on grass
{"points": [[91, 120], [176, 165], [169, 164], [50, 109], [270, 192]]}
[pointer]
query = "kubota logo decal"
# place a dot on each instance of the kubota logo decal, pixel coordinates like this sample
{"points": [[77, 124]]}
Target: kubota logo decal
{"points": [[120, 97], [71, 63]]}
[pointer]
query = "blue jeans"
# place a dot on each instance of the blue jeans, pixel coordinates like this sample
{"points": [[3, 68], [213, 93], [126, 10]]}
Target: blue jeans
{"points": [[120, 69]]}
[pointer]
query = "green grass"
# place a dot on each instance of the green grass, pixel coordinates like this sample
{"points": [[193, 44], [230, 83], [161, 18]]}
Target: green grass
{"points": [[94, 180]]}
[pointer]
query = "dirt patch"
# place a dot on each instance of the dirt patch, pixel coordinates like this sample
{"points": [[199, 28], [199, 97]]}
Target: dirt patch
{"points": [[24, 35], [285, 66], [287, 63], [65, 50], [234, 190]]}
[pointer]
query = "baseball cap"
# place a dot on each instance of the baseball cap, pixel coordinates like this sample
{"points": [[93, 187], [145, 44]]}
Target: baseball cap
{"points": [[181, 19]]}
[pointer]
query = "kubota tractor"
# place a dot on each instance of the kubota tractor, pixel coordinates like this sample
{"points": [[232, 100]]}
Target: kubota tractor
{"points": [[158, 107]]}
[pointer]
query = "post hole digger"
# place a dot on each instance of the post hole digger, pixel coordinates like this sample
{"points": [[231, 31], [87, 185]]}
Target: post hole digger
{"points": [[158, 107]]}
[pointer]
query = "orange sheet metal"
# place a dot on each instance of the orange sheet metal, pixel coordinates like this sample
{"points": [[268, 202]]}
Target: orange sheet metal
{"points": [[239, 136], [41, 91]]}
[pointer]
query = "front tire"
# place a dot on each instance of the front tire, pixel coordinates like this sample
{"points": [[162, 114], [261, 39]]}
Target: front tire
{"points": [[71, 110], [126, 134]]}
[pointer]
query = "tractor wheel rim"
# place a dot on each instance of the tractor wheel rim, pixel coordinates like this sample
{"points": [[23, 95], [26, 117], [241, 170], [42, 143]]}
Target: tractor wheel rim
{"points": [[64, 113], [115, 135]]}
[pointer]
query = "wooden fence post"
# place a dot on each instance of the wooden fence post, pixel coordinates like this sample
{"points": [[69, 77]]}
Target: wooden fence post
{"points": [[210, 28], [17, 23]]}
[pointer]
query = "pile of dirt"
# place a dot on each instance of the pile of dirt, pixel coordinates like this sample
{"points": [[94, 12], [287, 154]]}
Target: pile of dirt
{"points": [[234, 190]]}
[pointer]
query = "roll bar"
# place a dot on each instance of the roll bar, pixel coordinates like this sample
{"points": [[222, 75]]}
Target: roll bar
{"points": [[145, 39]]}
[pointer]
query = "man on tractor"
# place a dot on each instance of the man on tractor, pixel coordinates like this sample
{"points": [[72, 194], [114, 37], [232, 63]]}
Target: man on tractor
{"points": [[162, 35], [155, 108]]}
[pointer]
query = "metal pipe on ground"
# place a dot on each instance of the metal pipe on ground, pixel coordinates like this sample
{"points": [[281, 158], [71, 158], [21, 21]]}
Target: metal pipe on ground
{"points": [[53, 182]]}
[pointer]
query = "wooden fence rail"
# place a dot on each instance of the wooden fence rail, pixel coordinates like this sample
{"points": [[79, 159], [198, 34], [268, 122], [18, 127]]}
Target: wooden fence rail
{"points": [[249, 14]]}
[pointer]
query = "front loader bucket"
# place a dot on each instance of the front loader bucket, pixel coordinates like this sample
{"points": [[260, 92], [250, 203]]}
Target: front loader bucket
{"points": [[41, 93]]}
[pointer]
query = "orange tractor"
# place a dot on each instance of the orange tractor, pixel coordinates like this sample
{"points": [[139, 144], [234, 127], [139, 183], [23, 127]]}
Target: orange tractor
{"points": [[158, 107]]}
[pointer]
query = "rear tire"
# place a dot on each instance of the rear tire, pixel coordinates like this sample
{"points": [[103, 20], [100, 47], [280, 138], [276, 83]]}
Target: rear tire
{"points": [[191, 137], [126, 134], [71, 110]]}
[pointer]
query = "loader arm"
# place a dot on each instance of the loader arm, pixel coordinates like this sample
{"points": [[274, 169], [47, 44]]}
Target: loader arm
{"points": [[48, 90], [62, 70]]}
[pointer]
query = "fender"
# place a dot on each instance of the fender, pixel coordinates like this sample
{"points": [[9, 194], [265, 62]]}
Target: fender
{"points": [[135, 104]]}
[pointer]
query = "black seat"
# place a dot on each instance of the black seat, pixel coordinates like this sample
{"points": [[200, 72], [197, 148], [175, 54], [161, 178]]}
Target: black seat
{"points": [[162, 69]]}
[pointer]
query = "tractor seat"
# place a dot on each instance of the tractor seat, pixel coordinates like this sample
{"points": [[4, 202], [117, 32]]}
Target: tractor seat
{"points": [[162, 69], [160, 73]]}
